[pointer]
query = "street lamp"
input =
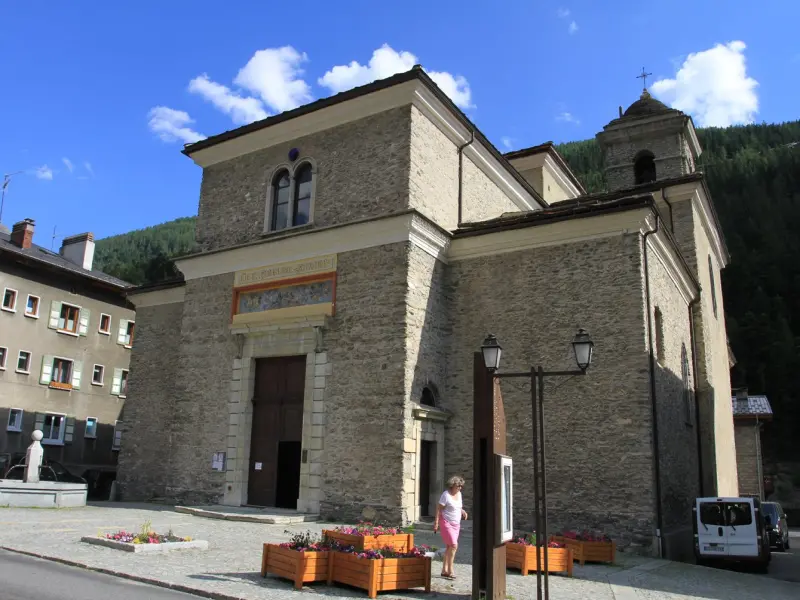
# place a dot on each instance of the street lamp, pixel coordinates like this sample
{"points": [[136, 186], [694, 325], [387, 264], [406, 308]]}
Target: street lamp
{"points": [[583, 347]]}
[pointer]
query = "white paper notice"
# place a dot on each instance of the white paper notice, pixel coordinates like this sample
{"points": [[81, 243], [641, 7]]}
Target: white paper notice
{"points": [[258, 466]]}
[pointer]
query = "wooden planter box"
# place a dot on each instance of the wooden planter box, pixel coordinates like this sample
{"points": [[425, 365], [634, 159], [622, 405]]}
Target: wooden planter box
{"points": [[585, 552], [300, 567], [523, 557], [401, 542], [380, 574]]}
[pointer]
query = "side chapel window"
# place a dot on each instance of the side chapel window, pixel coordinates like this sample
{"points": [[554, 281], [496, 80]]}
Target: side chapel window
{"points": [[291, 198]]}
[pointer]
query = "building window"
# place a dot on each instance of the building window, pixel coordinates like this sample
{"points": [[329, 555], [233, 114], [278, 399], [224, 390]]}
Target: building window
{"points": [[125, 334], [32, 307], [713, 285], [291, 197], [687, 390], [53, 429], [115, 445], [3, 357], [69, 318], [97, 374], [105, 324], [62, 374], [119, 385], [91, 428], [14, 420], [427, 398], [24, 362], [644, 167], [10, 300], [659, 334]]}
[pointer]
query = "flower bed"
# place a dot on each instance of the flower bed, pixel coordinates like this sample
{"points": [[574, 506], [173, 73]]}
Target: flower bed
{"points": [[521, 554], [303, 560], [366, 536], [381, 570], [146, 541], [587, 547]]}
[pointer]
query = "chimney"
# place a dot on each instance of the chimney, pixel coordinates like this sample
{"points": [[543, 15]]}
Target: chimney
{"points": [[79, 249], [741, 393], [22, 233]]}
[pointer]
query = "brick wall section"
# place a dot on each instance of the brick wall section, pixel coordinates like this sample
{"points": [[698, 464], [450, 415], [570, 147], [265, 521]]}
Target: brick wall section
{"points": [[144, 457], [364, 395], [598, 427], [202, 388], [427, 336], [433, 185], [362, 171], [748, 456], [677, 437]]}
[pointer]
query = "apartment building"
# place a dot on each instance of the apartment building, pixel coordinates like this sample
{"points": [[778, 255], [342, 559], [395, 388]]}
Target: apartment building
{"points": [[66, 333]]}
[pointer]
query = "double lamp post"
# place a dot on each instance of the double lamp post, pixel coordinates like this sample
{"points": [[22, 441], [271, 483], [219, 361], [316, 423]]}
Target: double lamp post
{"points": [[582, 346]]}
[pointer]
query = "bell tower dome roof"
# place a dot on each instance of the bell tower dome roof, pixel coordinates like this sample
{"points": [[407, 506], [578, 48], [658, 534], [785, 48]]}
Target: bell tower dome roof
{"points": [[646, 105]]}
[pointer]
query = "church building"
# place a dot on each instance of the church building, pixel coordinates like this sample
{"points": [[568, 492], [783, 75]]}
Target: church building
{"points": [[351, 256]]}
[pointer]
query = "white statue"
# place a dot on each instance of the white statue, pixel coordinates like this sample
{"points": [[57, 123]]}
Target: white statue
{"points": [[33, 458]]}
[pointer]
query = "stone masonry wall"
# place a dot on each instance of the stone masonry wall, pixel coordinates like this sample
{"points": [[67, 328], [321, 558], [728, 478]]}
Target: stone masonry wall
{"points": [[362, 470], [668, 150], [433, 185], [362, 171], [144, 457], [748, 457], [426, 339], [202, 389], [677, 439], [598, 426]]}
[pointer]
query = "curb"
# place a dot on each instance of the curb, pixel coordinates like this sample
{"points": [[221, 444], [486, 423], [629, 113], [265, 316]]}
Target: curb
{"points": [[156, 582]]}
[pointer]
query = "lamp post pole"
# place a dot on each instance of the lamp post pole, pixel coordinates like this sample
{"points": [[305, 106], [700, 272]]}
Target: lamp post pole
{"points": [[583, 347]]}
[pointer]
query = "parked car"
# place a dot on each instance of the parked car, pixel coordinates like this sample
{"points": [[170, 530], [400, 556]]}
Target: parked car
{"points": [[777, 525], [730, 530]]}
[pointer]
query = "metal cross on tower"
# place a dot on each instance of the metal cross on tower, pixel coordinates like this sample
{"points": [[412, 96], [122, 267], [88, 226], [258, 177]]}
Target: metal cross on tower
{"points": [[644, 77]]}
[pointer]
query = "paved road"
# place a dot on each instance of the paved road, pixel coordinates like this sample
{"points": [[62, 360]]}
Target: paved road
{"points": [[27, 578], [786, 565]]}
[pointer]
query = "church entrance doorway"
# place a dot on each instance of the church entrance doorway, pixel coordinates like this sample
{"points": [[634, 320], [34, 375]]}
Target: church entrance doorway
{"points": [[427, 460], [274, 473]]}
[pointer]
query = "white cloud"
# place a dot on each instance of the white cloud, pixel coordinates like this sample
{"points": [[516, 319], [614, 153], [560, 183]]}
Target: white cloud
{"points": [[88, 167], [241, 110], [68, 163], [713, 87], [44, 172], [385, 62], [275, 75], [573, 27], [507, 142], [567, 117], [563, 13], [171, 125]]}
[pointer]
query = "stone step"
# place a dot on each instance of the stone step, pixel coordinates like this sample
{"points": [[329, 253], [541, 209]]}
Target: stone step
{"points": [[268, 516]]}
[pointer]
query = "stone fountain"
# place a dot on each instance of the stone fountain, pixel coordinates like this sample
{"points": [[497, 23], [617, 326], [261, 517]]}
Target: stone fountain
{"points": [[33, 493]]}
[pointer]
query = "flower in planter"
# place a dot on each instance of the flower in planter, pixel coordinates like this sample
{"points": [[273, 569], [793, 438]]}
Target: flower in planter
{"points": [[308, 542], [415, 552], [367, 528]]}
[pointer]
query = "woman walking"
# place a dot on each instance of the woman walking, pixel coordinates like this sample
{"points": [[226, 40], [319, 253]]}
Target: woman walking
{"points": [[449, 513]]}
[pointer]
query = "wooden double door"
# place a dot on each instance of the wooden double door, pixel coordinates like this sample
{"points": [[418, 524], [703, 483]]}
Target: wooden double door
{"points": [[275, 443]]}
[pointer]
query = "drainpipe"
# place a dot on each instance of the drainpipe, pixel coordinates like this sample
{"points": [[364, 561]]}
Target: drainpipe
{"points": [[669, 204], [460, 170], [657, 467], [693, 344]]}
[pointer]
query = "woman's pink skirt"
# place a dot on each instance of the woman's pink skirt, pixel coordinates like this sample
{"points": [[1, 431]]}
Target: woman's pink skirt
{"points": [[450, 532]]}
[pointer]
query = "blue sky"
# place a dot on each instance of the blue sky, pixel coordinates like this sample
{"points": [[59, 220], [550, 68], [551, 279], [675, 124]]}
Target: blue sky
{"points": [[98, 97]]}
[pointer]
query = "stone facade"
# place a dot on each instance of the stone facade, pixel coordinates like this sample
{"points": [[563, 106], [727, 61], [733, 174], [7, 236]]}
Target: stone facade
{"points": [[748, 455]]}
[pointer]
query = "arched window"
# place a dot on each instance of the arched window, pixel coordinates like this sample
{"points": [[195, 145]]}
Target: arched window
{"points": [[281, 189], [713, 285], [302, 195], [644, 167], [427, 398]]}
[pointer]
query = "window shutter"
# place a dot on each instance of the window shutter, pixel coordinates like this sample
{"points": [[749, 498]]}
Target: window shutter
{"points": [[123, 330], [38, 421], [77, 367], [55, 314], [116, 383], [83, 326], [69, 430], [47, 370]]}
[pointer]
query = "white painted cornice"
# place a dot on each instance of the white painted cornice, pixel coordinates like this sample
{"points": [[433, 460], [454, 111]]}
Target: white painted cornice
{"points": [[557, 173], [666, 253], [147, 298]]}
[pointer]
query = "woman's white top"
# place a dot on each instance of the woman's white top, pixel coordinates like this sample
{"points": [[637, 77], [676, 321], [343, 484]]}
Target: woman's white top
{"points": [[452, 506]]}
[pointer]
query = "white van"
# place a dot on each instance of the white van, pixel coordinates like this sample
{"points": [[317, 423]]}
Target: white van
{"points": [[730, 529]]}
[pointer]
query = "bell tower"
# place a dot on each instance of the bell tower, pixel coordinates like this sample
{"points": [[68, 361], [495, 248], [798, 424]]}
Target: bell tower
{"points": [[647, 143]]}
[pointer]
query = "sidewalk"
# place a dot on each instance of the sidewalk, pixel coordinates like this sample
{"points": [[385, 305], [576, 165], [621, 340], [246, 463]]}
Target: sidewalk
{"points": [[230, 569]]}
